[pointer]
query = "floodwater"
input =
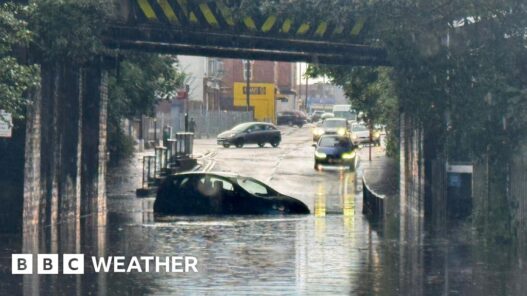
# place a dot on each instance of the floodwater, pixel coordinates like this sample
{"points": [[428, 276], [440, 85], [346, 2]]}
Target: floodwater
{"points": [[330, 252]]}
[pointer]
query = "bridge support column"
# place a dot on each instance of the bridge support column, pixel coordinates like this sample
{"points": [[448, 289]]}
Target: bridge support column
{"points": [[65, 145], [94, 141]]}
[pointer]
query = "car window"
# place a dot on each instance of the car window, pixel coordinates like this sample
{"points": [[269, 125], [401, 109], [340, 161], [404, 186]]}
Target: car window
{"points": [[270, 127], [359, 128], [252, 186], [225, 184], [211, 185], [241, 127], [343, 142], [258, 127], [335, 123], [181, 183]]}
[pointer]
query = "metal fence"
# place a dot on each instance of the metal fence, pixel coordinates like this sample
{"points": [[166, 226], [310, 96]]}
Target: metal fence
{"points": [[372, 203], [210, 124]]}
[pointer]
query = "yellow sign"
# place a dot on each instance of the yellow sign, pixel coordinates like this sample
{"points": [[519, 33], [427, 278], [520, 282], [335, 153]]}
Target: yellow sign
{"points": [[262, 99]]}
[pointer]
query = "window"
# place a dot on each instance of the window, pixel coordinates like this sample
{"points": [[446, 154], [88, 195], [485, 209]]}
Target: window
{"points": [[211, 185], [359, 128], [335, 123], [241, 127], [255, 128], [335, 142], [252, 186], [181, 183], [225, 184]]}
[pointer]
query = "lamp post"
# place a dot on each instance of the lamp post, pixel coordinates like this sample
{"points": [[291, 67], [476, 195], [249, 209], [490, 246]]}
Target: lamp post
{"points": [[187, 88], [248, 83], [155, 130]]}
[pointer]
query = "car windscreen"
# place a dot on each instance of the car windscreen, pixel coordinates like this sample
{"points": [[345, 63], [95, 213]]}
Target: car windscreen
{"points": [[341, 142], [346, 114], [254, 187], [334, 123], [241, 127], [359, 128]]}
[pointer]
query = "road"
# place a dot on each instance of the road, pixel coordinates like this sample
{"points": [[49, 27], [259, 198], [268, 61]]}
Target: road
{"points": [[288, 169], [336, 251]]}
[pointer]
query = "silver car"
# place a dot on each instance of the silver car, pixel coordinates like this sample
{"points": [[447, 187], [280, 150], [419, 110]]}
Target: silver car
{"points": [[360, 134]]}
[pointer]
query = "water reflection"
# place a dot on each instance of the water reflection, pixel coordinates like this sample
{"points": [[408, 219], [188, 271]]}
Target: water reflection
{"points": [[335, 251]]}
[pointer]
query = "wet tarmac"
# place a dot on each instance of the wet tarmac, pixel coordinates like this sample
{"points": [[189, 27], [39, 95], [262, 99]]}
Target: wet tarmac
{"points": [[334, 251]]}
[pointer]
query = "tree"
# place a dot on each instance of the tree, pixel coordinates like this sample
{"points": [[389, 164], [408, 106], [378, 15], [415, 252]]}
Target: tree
{"points": [[15, 78], [139, 82], [369, 90]]}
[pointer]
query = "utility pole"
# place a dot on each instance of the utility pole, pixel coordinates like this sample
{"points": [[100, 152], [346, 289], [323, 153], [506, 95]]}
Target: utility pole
{"points": [[248, 83], [307, 83], [187, 89]]}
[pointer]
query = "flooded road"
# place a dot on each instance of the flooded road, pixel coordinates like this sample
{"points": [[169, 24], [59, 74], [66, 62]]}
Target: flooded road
{"points": [[334, 251]]}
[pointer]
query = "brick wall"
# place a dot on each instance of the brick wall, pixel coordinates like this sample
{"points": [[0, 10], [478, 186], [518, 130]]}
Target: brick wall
{"points": [[65, 146]]}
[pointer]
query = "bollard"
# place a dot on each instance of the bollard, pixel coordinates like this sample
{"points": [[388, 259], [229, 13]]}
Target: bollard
{"points": [[160, 161], [184, 144]]}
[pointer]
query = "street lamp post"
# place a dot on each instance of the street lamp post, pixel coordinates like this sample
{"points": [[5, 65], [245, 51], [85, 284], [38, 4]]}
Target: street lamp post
{"points": [[248, 83], [187, 88]]}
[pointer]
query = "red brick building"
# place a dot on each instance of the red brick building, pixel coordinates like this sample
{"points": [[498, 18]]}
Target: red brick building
{"points": [[280, 73]]}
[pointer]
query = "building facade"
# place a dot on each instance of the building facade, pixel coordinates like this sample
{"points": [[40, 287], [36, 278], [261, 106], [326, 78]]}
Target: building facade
{"points": [[281, 74]]}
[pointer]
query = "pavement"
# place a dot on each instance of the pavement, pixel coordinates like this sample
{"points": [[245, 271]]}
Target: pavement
{"points": [[381, 173]]}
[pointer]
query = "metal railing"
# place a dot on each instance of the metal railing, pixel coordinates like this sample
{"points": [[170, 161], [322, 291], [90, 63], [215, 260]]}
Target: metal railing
{"points": [[372, 202]]}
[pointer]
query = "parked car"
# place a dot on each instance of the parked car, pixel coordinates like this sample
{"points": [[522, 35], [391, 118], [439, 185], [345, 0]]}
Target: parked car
{"points": [[291, 118], [326, 115], [199, 193], [360, 134], [335, 150], [250, 133], [315, 116], [332, 126]]}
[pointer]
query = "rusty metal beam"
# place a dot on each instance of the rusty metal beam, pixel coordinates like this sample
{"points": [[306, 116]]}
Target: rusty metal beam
{"points": [[244, 53], [258, 47]]}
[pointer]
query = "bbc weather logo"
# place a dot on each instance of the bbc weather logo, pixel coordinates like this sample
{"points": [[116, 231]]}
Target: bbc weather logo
{"points": [[74, 264], [47, 264]]}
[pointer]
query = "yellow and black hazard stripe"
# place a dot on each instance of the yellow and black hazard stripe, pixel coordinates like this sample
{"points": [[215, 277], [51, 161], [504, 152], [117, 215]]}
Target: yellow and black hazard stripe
{"points": [[216, 14]]}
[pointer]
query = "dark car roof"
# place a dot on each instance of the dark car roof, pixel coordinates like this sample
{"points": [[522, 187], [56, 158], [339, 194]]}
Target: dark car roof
{"points": [[256, 122], [260, 122]]}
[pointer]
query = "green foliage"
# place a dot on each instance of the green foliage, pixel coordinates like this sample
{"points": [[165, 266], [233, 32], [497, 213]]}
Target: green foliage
{"points": [[120, 145], [15, 78], [138, 83], [459, 69], [140, 80], [70, 30], [369, 90]]}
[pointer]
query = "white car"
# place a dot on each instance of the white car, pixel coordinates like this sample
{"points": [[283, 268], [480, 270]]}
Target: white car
{"points": [[360, 134]]}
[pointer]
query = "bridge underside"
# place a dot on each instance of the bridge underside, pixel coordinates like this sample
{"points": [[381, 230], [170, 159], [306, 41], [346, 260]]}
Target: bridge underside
{"points": [[212, 28], [225, 45]]}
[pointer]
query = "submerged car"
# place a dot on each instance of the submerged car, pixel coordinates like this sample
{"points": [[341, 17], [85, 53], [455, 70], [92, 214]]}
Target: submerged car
{"points": [[360, 134], [335, 150], [331, 126], [222, 194], [250, 133]]}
